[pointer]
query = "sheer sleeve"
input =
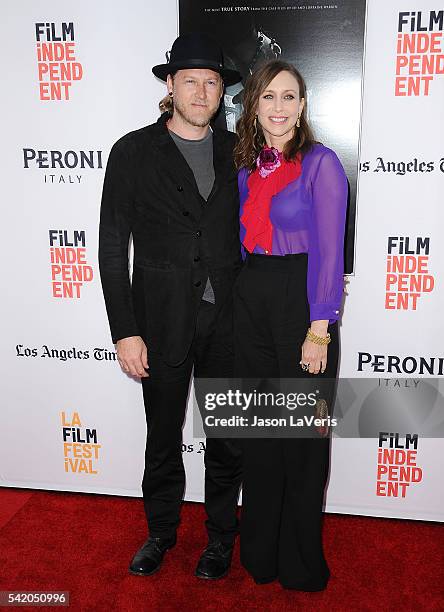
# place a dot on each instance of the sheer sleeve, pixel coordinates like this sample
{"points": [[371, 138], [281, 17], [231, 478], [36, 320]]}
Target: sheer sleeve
{"points": [[242, 177], [326, 239]]}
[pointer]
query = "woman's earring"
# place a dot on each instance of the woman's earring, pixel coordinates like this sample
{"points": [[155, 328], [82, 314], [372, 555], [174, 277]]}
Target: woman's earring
{"points": [[298, 122], [170, 93], [255, 128]]}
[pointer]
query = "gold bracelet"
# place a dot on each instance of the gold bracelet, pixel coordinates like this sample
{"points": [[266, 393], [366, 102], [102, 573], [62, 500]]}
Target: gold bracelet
{"points": [[318, 339]]}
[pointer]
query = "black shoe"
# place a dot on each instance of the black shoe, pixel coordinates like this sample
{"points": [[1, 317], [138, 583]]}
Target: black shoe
{"points": [[215, 561], [148, 559]]}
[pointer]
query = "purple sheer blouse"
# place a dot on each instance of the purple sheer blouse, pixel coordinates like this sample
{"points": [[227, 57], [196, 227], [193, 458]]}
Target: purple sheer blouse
{"points": [[308, 216]]}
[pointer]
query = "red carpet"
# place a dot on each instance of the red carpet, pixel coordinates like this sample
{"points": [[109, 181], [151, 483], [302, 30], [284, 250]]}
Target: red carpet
{"points": [[83, 543], [11, 501]]}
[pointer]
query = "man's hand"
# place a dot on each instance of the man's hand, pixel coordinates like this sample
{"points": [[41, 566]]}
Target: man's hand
{"points": [[132, 355]]}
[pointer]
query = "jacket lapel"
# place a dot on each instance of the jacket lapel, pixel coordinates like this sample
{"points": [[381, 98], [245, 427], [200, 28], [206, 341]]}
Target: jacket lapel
{"points": [[173, 159], [222, 161], [177, 168]]}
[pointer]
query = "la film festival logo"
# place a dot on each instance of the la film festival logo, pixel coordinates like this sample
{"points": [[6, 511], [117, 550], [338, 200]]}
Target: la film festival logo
{"points": [[57, 165], [407, 272], [81, 450], [57, 64], [397, 464], [419, 52], [69, 267]]}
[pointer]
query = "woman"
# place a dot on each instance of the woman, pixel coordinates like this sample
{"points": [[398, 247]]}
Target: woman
{"points": [[293, 196]]}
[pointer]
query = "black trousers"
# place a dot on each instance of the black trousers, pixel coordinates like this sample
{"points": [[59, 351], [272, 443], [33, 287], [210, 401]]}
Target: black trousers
{"points": [[283, 479], [165, 395]]}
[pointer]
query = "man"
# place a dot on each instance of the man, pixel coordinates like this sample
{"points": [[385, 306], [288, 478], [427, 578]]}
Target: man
{"points": [[173, 186]]}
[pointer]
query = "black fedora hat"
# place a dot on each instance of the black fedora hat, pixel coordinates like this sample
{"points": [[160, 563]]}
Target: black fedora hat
{"points": [[196, 51]]}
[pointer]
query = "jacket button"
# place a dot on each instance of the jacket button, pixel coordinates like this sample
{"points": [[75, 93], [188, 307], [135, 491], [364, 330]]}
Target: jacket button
{"points": [[179, 188], [198, 283], [185, 213], [198, 234], [197, 258]]}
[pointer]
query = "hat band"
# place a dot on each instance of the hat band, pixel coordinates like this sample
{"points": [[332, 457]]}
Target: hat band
{"points": [[198, 62]]}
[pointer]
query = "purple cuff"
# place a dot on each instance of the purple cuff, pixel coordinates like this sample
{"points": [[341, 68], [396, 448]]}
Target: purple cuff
{"points": [[321, 312]]}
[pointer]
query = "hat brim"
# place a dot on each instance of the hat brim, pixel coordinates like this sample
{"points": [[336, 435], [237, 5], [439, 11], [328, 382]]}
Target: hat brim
{"points": [[230, 77]]}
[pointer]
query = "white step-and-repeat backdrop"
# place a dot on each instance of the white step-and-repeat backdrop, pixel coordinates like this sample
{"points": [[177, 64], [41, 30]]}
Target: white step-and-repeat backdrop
{"points": [[75, 79]]}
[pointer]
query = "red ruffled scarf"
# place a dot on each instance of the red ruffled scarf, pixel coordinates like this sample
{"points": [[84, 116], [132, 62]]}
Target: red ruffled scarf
{"points": [[271, 175]]}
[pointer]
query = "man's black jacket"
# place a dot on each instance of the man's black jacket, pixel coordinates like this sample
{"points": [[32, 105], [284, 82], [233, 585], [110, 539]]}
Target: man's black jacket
{"points": [[179, 239]]}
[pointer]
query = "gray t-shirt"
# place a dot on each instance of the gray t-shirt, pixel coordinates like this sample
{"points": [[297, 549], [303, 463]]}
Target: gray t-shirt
{"points": [[199, 156]]}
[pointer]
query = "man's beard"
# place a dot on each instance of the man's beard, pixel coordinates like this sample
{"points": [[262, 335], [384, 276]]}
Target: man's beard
{"points": [[199, 121]]}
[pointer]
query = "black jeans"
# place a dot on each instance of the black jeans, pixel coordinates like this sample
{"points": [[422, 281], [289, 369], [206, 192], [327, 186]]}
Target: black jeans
{"points": [[283, 479], [165, 395]]}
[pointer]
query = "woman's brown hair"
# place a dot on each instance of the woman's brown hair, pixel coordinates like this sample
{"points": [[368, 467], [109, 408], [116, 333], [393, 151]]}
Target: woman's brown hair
{"points": [[250, 135]]}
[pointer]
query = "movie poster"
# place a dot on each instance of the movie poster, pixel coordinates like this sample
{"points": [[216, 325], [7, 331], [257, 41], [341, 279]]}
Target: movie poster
{"points": [[326, 44]]}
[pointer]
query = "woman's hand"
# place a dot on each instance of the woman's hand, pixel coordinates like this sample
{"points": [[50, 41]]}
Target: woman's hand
{"points": [[315, 354]]}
